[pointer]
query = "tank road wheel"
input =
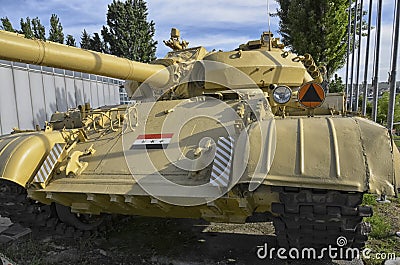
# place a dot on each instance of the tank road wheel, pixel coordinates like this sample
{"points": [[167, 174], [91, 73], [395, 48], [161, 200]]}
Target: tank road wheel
{"points": [[85, 222], [15, 204], [308, 218]]}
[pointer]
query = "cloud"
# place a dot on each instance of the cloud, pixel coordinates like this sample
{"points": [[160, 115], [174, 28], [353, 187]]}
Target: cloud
{"points": [[74, 14], [217, 24], [190, 13], [384, 58], [385, 49], [210, 23]]}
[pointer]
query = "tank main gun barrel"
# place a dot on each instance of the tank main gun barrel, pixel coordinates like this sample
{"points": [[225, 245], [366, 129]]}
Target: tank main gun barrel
{"points": [[14, 47]]}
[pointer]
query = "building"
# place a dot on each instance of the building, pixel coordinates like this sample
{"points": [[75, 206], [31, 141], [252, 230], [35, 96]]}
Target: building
{"points": [[123, 96], [30, 94]]}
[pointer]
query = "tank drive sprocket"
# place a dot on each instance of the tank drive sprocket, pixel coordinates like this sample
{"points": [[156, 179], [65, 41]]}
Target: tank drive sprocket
{"points": [[15, 205], [316, 218]]}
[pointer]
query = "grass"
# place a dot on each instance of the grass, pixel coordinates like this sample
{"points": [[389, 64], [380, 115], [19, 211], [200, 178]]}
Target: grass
{"points": [[28, 250], [128, 244], [385, 223], [396, 140], [33, 251]]}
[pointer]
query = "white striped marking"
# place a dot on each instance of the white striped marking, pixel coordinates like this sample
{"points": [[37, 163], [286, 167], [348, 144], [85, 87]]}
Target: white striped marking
{"points": [[222, 165], [49, 164], [5, 261]]}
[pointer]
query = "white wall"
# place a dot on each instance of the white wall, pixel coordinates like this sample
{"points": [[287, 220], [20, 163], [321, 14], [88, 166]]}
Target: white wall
{"points": [[30, 94]]}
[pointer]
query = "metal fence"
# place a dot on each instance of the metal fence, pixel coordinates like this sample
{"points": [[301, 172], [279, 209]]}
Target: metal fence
{"points": [[29, 94]]}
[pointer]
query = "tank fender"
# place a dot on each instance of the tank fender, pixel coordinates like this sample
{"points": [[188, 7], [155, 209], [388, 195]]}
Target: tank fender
{"points": [[379, 151], [396, 156], [338, 153], [22, 154], [255, 151]]}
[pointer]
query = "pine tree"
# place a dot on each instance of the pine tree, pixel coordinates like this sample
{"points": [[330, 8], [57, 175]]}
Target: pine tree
{"points": [[26, 28], [56, 30], [6, 24], [70, 40], [95, 43], [39, 32], [85, 40], [128, 33], [316, 27]]}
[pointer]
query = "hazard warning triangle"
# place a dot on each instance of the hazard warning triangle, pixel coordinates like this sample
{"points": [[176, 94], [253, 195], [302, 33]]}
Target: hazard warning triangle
{"points": [[311, 95]]}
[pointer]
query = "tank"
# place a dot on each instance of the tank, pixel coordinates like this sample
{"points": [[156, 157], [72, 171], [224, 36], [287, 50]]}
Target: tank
{"points": [[239, 136]]}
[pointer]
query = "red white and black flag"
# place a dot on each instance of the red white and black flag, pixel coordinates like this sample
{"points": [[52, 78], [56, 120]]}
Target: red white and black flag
{"points": [[152, 141]]}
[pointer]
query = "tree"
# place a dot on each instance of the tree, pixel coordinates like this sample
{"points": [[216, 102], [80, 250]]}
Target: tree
{"points": [[56, 30], [128, 33], [26, 28], [95, 43], [316, 27], [85, 40], [336, 85], [383, 105], [369, 106], [6, 24], [70, 40], [39, 32]]}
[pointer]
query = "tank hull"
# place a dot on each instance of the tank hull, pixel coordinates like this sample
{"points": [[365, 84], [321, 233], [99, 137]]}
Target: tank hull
{"points": [[310, 153]]}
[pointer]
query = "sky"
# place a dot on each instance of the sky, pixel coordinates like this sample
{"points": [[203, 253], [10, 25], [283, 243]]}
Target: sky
{"points": [[215, 24]]}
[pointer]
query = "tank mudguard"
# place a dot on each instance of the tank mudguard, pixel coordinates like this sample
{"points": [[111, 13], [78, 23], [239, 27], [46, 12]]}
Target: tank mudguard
{"points": [[22, 154], [338, 153]]}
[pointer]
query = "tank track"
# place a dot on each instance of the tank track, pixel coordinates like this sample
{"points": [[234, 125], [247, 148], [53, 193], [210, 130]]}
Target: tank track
{"points": [[316, 218], [15, 205]]}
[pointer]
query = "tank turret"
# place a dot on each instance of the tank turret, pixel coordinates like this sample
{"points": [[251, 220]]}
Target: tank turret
{"points": [[263, 60]]}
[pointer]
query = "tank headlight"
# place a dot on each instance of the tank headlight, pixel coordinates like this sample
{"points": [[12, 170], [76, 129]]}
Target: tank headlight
{"points": [[282, 94]]}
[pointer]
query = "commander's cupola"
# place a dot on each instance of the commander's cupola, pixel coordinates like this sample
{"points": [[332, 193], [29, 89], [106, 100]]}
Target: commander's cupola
{"points": [[267, 41]]}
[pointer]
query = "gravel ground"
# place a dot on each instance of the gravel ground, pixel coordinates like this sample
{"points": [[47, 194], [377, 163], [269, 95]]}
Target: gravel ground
{"points": [[153, 241]]}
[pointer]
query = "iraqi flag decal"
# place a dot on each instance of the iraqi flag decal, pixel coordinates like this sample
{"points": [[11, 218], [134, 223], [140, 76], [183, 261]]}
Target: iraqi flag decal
{"points": [[152, 141]]}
